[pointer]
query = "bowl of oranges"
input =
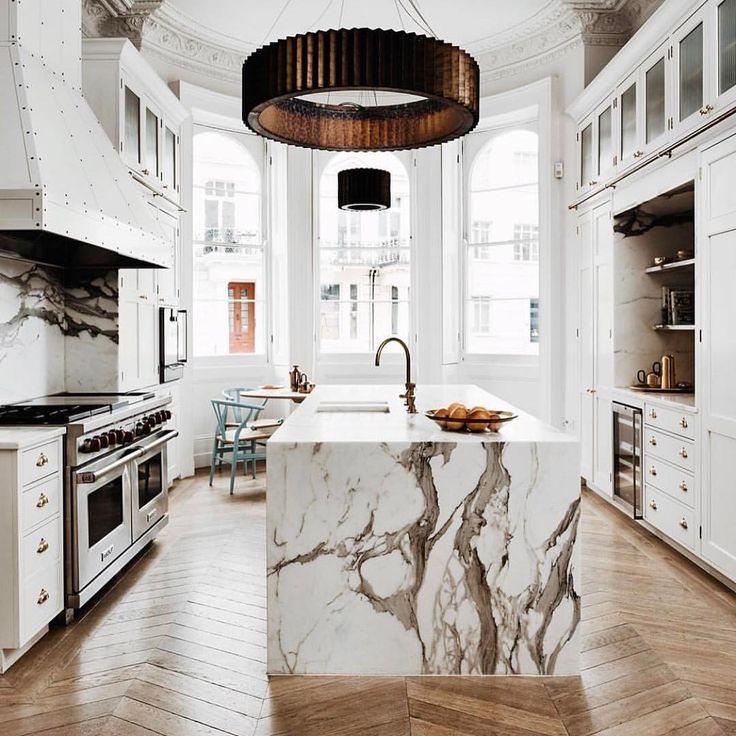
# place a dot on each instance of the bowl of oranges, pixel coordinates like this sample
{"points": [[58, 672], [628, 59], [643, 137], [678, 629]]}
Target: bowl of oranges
{"points": [[459, 418]]}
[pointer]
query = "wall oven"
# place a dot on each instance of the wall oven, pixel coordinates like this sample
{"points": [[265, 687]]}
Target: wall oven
{"points": [[627, 458], [172, 343]]}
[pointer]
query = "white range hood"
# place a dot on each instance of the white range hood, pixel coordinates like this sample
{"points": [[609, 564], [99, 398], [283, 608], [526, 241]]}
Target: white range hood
{"points": [[66, 198]]}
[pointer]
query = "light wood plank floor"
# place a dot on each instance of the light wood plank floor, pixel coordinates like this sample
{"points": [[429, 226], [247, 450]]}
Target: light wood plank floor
{"points": [[177, 647]]}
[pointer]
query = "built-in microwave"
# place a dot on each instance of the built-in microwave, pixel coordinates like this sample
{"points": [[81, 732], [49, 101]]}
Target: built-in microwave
{"points": [[172, 337]]}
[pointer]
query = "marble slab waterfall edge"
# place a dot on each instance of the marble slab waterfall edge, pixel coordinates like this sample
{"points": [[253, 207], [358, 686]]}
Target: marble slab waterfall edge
{"points": [[423, 557]]}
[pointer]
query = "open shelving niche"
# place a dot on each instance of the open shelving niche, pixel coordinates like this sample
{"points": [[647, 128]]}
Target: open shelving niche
{"points": [[658, 227]]}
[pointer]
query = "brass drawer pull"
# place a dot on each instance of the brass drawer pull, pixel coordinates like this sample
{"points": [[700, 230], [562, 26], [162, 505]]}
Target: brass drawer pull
{"points": [[652, 414], [43, 596], [683, 452], [653, 441], [43, 545], [653, 505], [683, 486], [42, 460], [638, 154], [652, 470], [683, 423], [43, 500], [683, 523]]}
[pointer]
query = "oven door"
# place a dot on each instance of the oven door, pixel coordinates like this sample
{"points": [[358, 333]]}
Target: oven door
{"points": [[150, 496], [102, 529]]}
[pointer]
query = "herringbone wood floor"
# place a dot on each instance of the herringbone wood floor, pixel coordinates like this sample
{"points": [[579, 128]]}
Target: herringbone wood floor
{"points": [[177, 647]]}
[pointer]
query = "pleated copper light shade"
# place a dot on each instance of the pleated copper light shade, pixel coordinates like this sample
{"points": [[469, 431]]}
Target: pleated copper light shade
{"points": [[277, 76], [363, 190]]}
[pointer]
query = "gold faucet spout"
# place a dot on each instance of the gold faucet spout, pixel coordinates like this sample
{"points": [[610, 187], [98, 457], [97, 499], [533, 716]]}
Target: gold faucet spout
{"points": [[410, 396]]}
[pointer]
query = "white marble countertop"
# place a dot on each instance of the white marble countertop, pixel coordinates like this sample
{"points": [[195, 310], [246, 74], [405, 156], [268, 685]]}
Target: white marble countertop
{"points": [[306, 424], [639, 398], [16, 438]]}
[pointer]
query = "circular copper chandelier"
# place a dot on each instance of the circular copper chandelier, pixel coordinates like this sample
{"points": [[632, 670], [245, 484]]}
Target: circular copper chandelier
{"points": [[364, 190], [278, 77]]}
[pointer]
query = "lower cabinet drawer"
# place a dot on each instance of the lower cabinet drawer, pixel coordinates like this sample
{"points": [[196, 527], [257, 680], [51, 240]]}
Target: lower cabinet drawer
{"points": [[670, 517], [41, 600], [675, 450], [42, 548], [38, 462], [674, 481], [41, 502]]}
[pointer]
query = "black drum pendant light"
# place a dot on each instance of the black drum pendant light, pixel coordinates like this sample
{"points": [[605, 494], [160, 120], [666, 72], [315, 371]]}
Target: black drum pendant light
{"points": [[363, 190]]}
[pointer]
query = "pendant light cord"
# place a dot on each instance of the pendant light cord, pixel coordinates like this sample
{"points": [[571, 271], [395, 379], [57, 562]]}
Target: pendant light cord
{"points": [[275, 23]]}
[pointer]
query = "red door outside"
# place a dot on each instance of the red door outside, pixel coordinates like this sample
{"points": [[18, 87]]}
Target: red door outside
{"points": [[241, 295]]}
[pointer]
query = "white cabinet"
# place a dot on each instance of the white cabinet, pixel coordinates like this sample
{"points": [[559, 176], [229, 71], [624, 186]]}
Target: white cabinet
{"points": [[656, 117], [595, 336], [138, 330], [717, 354], [31, 538], [596, 147]]}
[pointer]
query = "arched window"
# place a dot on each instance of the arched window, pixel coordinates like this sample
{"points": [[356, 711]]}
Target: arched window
{"points": [[364, 261], [229, 273], [502, 245]]}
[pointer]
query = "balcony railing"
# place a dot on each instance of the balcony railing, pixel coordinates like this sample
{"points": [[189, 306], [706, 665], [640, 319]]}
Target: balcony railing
{"points": [[374, 254]]}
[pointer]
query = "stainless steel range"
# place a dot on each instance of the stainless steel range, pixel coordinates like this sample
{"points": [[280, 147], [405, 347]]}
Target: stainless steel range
{"points": [[115, 480]]}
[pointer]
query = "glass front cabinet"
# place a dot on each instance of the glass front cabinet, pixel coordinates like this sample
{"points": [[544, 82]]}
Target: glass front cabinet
{"points": [[596, 147], [692, 55]]}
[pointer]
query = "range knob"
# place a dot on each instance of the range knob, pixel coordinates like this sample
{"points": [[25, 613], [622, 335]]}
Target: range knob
{"points": [[112, 438], [128, 437], [167, 414], [119, 436], [86, 446], [157, 418], [94, 444], [146, 428], [104, 440], [139, 429]]}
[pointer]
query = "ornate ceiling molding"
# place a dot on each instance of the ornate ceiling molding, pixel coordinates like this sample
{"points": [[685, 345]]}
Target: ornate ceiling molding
{"points": [[156, 27]]}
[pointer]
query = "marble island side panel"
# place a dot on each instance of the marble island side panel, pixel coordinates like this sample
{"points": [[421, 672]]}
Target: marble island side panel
{"points": [[423, 558]]}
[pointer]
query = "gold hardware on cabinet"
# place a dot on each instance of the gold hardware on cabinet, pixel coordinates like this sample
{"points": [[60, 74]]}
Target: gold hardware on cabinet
{"points": [[43, 500], [653, 505], [652, 414], [146, 172], [653, 441], [41, 460], [43, 596], [592, 183], [638, 154], [683, 523], [43, 545], [683, 423], [652, 470], [683, 486], [683, 452]]}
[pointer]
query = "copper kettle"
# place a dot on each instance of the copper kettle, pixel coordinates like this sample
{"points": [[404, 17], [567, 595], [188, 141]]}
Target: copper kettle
{"points": [[669, 379]]}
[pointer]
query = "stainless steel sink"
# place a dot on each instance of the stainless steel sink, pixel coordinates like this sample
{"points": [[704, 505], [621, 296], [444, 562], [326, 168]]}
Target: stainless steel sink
{"points": [[354, 407]]}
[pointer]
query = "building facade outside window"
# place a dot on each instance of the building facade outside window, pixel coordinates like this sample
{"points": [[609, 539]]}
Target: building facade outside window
{"points": [[501, 253], [229, 268], [364, 261]]}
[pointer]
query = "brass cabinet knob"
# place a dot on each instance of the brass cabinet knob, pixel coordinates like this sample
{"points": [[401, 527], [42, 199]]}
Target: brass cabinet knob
{"points": [[43, 545], [43, 500], [653, 441], [592, 183], [683, 486], [638, 154], [145, 172], [683, 452], [683, 522], [652, 470], [652, 414], [683, 423], [41, 460], [653, 505], [43, 596]]}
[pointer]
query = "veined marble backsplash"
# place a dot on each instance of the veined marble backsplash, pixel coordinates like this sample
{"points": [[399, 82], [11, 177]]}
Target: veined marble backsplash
{"points": [[58, 330]]}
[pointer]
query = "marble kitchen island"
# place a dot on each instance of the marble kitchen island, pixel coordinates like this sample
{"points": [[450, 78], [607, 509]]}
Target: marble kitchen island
{"points": [[397, 548]]}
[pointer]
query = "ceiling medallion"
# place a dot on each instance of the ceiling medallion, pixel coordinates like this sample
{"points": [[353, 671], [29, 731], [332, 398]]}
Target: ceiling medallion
{"points": [[363, 190], [277, 77]]}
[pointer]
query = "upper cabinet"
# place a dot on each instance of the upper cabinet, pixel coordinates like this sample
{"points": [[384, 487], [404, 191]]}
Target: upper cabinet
{"points": [[644, 101], [140, 114]]}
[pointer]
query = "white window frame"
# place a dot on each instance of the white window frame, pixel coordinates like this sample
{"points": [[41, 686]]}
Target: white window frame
{"points": [[473, 145], [358, 360], [256, 147]]}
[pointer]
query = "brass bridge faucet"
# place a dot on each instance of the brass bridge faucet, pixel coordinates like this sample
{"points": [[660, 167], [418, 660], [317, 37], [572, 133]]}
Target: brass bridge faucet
{"points": [[409, 396]]}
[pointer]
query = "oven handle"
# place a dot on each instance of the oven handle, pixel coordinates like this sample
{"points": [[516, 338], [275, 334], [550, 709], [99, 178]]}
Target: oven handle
{"points": [[93, 476], [159, 441]]}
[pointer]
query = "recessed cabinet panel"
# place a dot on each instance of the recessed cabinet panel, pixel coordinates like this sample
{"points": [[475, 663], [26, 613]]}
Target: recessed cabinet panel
{"points": [[629, 132], [690, 76], [726, 45], [586, 155], [170, 159], [605, 141], [654, 111], [132, 139]]}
